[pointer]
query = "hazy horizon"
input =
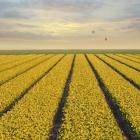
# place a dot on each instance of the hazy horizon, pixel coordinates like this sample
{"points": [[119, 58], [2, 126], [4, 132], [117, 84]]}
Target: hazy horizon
{"points": [[69, 24]]}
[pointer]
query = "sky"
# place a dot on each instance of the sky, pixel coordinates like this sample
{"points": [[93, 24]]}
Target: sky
{"points": [[69, 24]]}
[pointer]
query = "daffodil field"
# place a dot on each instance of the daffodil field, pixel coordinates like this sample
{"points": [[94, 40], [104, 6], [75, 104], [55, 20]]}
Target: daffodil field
{"points": [[70, 97]]}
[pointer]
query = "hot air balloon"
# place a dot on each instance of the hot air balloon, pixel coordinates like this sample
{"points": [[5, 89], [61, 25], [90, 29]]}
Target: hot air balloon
{"points": [[93, 31], [106, 39]]}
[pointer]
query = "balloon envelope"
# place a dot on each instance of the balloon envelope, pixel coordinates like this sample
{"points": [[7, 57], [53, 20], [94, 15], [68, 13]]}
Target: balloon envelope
{"points": [[93, 31]]}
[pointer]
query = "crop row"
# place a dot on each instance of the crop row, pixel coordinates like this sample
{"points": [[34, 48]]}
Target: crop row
{"points": [[19, 68], [130, 58], [5, 59], [135, 56], [10, 90], [32, 117], [86, 113], [128, 72], [16, 63], [123, 93], [127, 62]]}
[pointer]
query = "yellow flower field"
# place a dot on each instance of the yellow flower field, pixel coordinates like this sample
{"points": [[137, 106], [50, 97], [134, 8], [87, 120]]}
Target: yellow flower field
{"points": [[70, 97]]}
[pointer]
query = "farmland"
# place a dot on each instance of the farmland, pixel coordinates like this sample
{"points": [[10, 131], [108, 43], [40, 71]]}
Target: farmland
{"points": [[70, 96]]}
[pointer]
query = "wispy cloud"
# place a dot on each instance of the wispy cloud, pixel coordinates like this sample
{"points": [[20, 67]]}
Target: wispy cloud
{"points": [[67, 19]]}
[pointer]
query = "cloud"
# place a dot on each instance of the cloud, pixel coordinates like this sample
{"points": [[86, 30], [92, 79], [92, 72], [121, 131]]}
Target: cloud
{"points": [[71, 5], [28, 8], [16, 9], [67, 19], [75, 10], [16, 14], [133, 10], [26, 35], [26, 25], [132, 26]]}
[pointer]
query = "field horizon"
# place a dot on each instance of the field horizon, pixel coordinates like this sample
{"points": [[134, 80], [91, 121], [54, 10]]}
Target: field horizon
{"points": [[39, 51]]}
